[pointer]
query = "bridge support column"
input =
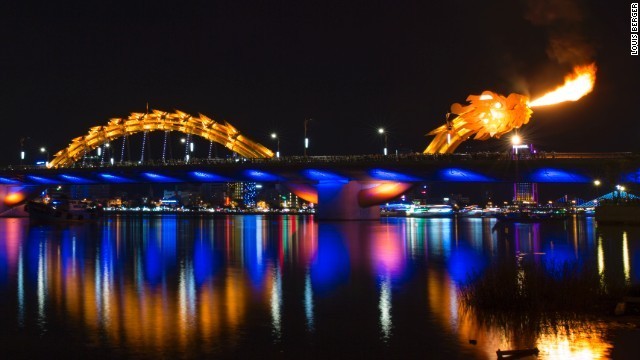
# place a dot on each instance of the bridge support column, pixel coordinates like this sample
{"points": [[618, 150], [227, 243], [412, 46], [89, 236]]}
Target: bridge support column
{"points": [[338, 200]]}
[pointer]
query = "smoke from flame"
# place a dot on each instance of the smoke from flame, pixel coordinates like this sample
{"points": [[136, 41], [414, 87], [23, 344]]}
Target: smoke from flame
{"points": [[576, 85]]}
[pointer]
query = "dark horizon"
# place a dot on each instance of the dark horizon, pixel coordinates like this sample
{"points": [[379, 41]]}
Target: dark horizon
{"points": [[266, 67]]}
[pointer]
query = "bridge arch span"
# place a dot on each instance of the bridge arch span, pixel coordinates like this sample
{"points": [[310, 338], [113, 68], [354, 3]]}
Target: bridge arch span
{"points": [[222, 133]]}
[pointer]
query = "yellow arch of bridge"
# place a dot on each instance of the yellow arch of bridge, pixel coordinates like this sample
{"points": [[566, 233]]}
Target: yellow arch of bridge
{"points": [[224, 134]]}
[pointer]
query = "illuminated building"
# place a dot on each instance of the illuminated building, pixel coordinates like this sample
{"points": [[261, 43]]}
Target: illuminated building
{"points": [[525, 193]]}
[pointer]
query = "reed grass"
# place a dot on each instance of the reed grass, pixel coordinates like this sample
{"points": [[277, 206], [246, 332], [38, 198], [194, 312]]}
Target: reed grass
{"points": [[533, 288]]}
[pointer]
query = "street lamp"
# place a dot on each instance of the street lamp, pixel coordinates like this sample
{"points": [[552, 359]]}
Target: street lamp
{"points": [[516, 140], [597, 184], [306, 139], [382, 132], [275, 137], [44, 150], [186, 149]]}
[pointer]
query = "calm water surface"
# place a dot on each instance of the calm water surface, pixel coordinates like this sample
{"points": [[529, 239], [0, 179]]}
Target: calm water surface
{"points": [[283, 287]]}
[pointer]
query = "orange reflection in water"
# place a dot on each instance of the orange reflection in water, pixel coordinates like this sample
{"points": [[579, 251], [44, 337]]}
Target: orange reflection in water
{"points": [[138, 315], [579, 340], [585, 341]]}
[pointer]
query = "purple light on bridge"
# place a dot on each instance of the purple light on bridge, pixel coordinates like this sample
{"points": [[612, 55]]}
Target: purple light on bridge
{"points": [[320, 175], [8, 181], [550, 175], [75, 179], [160, 178], [633, 177], [462, 175], [114, 178], [258, 175], [42, 180], [204, 176], [380, 174]]}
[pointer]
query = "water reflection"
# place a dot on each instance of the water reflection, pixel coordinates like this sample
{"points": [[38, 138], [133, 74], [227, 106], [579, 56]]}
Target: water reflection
{"points": [[211, 286]]}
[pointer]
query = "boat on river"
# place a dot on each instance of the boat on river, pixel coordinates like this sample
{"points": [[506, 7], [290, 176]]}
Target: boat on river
{"points": [[430, 211], [620, 212], [57, 207], [532, 214]]}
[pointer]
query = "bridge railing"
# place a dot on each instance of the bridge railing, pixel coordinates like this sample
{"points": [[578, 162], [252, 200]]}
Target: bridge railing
{"points": [[329, 159]]}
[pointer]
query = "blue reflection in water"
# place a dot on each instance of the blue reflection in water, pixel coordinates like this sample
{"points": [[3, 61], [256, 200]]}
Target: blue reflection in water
{"points": [[159, 241], [465, 263], [205, 258], [152, 261], [254, 252], [330, 267]]}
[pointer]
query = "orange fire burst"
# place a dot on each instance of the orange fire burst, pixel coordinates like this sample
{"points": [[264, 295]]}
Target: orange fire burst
{"points": [[576, 85], [491, 115]]}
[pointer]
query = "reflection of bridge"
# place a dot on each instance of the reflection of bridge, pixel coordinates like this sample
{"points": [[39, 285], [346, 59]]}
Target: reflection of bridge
{"points": [[346, 187]]}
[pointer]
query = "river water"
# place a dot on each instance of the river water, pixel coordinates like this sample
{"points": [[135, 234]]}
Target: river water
{"points": [[282, 287]]}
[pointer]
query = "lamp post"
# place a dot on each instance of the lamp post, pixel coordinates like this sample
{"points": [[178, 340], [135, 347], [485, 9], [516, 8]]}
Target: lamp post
{"points": [[186, 149], [306, 139], [44, 150], [516, 140], [382, 132], [596, 184], [22, 153], [275, 137]]}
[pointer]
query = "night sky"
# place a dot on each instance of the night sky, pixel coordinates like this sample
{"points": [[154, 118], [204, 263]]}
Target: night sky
{"points": [[352, 66]]}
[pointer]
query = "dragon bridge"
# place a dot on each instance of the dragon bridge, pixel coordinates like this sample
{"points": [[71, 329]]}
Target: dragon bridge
{"points": [[222, 133]]}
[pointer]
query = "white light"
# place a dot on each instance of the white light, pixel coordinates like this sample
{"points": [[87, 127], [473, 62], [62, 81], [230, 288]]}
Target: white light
{"points": [[99, 151], [277, 154], [183, 140], [111, 161], [381, 131], [191, 146], [306, 143], [516, 139], [274, 135], [107, 145], [596, 182], [21, 155], [187, 157], [43, 150], [385, 151]]}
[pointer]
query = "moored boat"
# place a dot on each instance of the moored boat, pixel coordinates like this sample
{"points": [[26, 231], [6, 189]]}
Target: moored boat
{"points": [[471, 211], [624, 212], [532, 214], [57, 207], [430, 211]]}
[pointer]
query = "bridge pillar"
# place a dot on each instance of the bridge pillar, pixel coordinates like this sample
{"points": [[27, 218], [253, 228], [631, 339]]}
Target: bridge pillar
{"points": [[338, 200]]}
